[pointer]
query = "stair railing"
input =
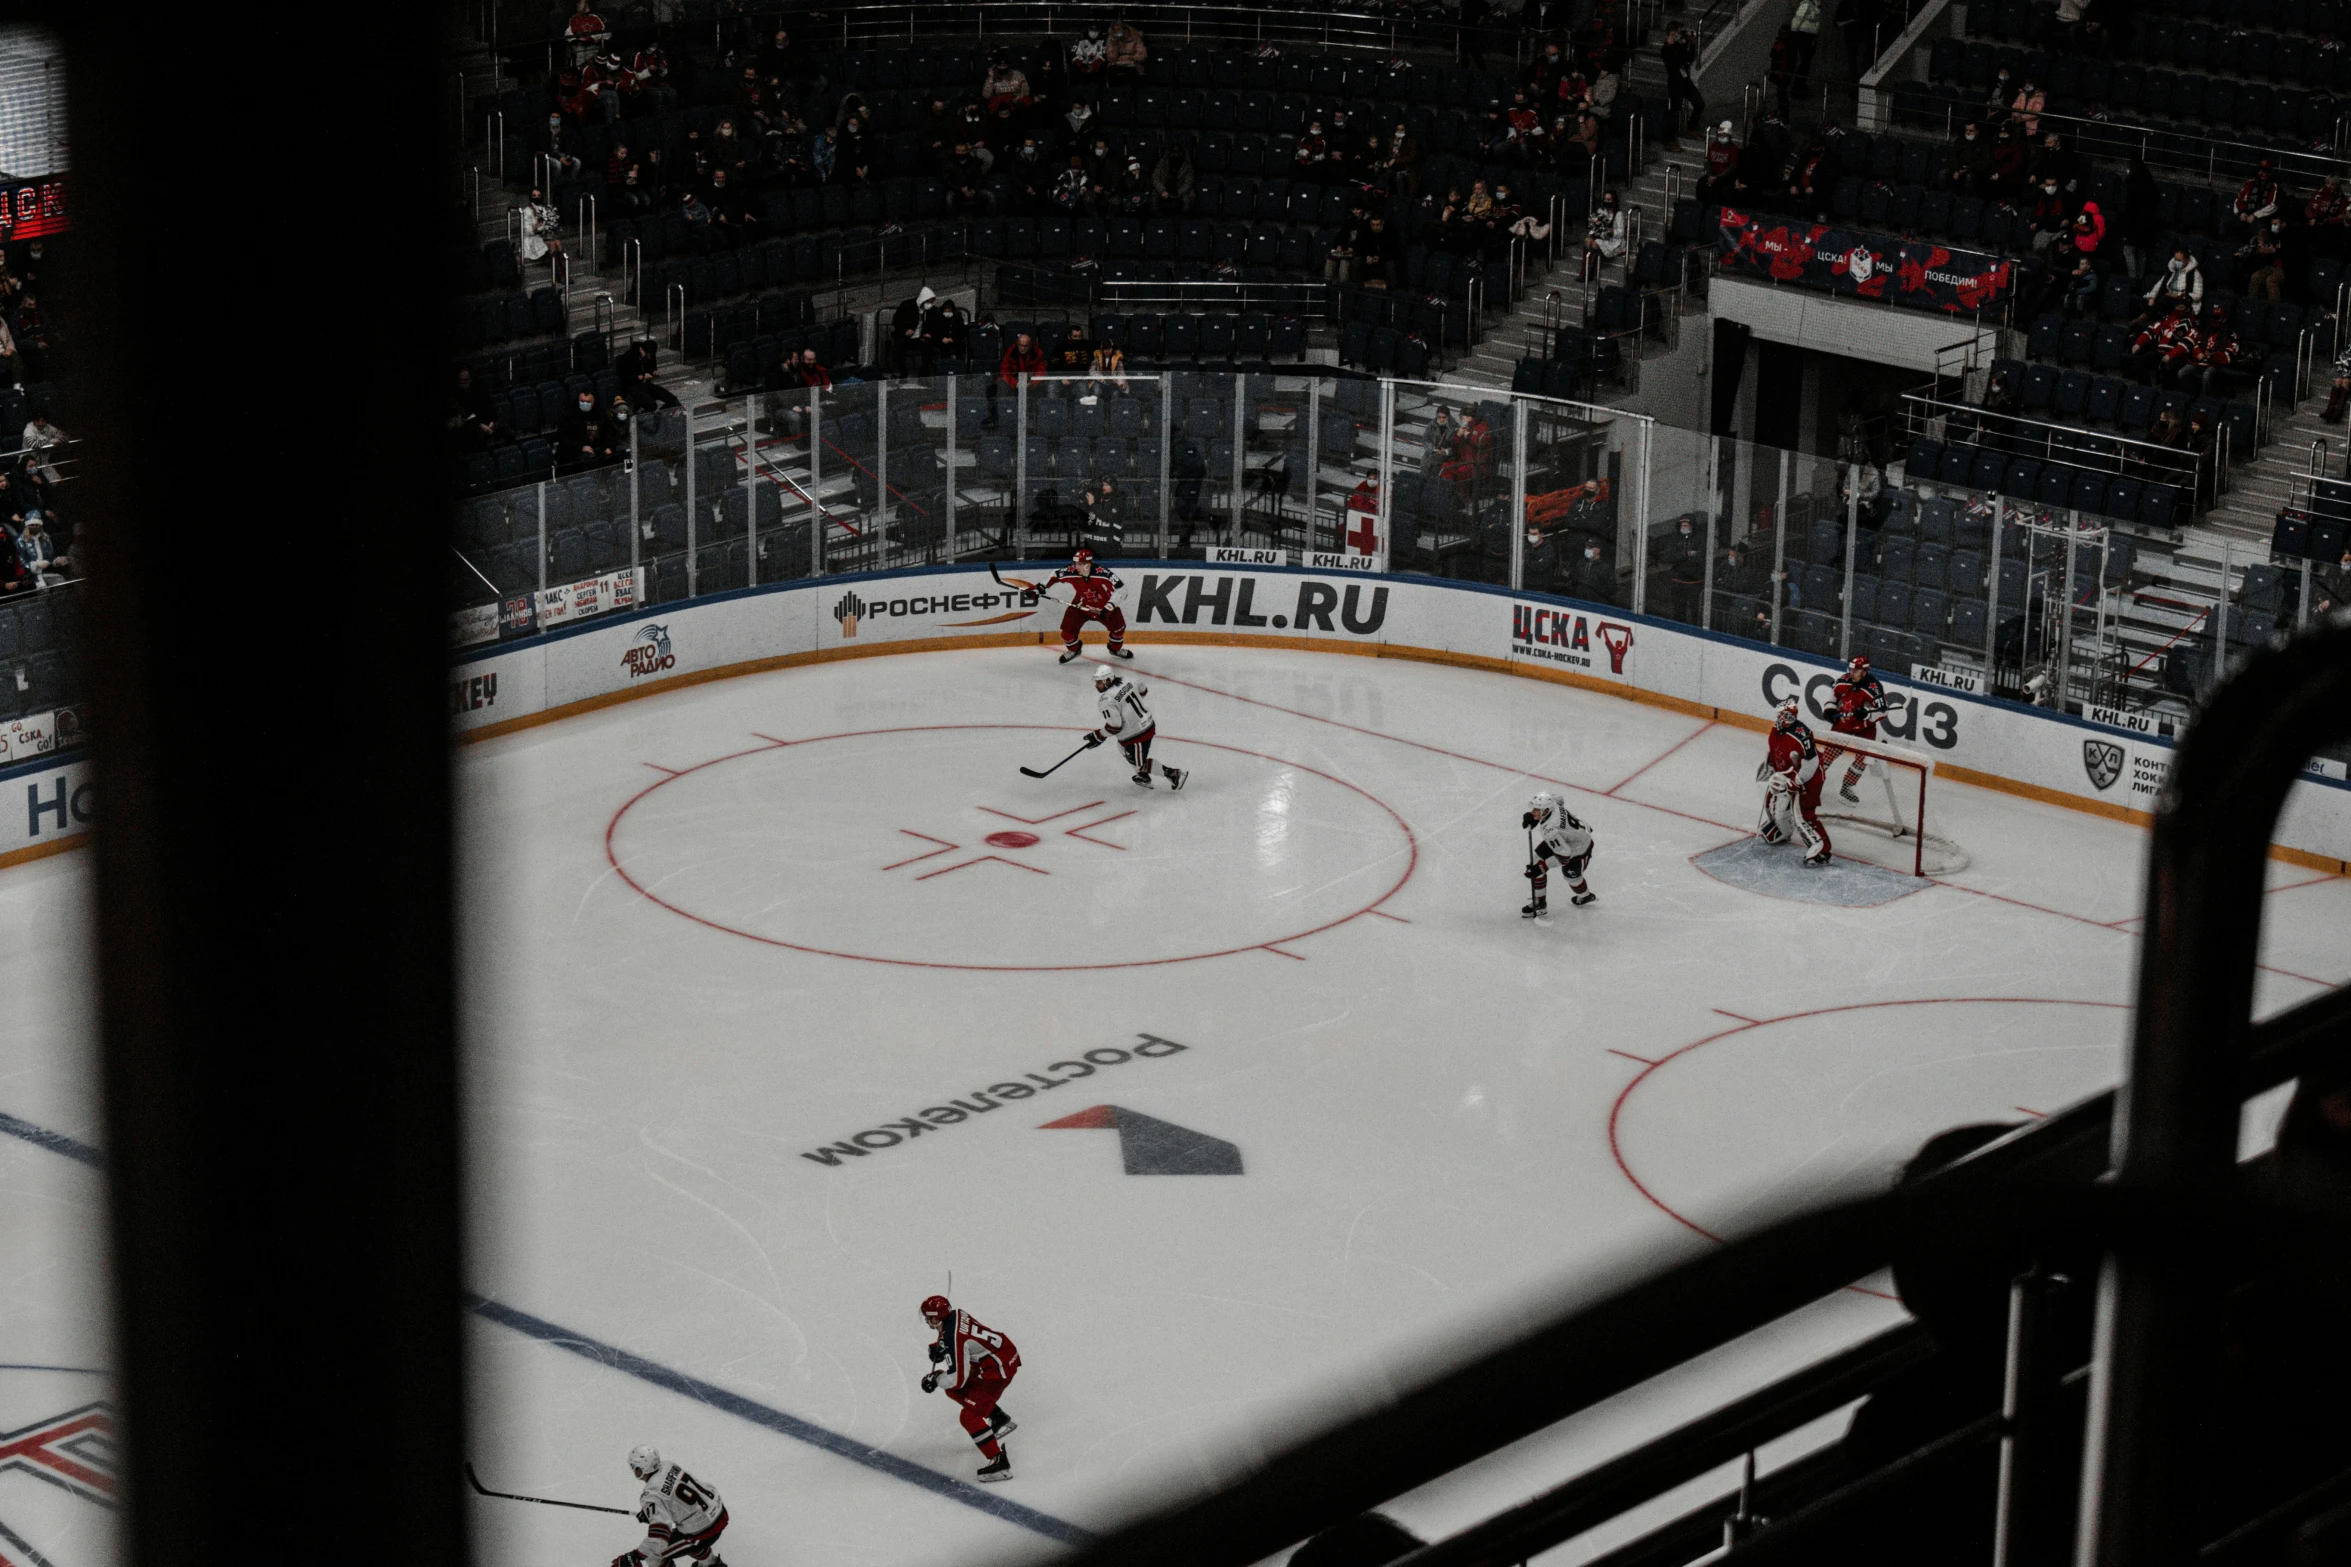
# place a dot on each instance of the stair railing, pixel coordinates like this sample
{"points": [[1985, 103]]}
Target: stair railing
{"points": [[673, 311]]}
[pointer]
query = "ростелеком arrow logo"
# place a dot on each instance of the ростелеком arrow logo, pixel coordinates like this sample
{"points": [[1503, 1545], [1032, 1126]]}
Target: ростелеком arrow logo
{"points": [[1155, 1147]]}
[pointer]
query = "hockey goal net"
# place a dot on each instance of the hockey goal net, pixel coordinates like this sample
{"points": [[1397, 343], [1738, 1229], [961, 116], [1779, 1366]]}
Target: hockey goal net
{"points": [[1886, 817]]}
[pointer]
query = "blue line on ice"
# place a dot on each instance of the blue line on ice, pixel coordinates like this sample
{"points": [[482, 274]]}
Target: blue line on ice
{"points": [[777, 1421]]}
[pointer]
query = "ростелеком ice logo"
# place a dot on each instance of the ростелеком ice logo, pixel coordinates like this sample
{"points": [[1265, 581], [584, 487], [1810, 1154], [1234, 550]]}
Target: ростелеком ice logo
{"points": [[648, 652]]}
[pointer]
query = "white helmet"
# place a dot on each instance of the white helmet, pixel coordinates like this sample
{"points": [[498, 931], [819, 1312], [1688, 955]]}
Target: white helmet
{"points": [[1103, 675], [644, 1462], [1543, 805]]}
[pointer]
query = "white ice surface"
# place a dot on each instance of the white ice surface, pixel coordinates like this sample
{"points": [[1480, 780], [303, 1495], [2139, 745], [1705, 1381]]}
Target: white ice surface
{"points": [[1452, 1121]]}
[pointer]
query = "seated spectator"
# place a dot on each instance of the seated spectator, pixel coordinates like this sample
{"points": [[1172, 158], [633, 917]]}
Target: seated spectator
{"points": [[1108, 365], [1070, 187], [1722, 166], [469, 412], [2010, 175], [2342, 388], [944, 332], [1971, 160], [2182, 283], [2051, 219], [1022, 357], [15, 576], [2212, 372], [1174, 180], [808, 372], [1007, 84], [40, 439], [2257, 200], [1604, 235], [1311, 160], [1090, 55], [1127, 51], [1073, 355], [824, 155], [542, 227], [582, 439], [2265, 263], [1865, 487], [39, 552]]}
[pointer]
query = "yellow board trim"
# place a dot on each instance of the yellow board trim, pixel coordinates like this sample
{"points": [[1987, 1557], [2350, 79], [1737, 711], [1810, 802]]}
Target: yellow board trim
{"points": [[42, 851], [1418, 655]]}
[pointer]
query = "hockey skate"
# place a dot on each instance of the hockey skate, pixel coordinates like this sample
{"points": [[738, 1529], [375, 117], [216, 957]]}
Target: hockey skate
{"points": [[1814, 862], [1143, 779], [1001, 1425], [1537, 910], [1847, 793], [1120, 652], [1582, 898], [1175, 775], [997, 1468], [1075, 652]]}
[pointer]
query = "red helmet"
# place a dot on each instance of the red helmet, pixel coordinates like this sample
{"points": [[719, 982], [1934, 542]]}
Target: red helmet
{"points": [[1790, 713], [935, 1306], [1861, 661], [1082, 558]]}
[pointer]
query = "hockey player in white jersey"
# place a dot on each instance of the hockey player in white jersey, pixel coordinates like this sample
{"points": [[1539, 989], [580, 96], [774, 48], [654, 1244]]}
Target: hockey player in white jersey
{"points": [[683, 1518], [1556, 835], [1126, 720]]}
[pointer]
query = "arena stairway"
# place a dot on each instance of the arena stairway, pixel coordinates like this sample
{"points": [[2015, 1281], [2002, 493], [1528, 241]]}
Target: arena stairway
{"points": [[1562, 298]]}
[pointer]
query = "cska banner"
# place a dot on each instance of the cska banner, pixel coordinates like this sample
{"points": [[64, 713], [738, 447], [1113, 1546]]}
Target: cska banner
{"points": [[1916, 273]]}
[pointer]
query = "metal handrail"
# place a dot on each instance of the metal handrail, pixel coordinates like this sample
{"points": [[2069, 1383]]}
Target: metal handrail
{"points": [[1166, 26], [2175, 1133], [1918, 409]]}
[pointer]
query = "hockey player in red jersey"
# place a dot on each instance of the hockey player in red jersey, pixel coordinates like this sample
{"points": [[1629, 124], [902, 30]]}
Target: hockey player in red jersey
{"points": [[1791, 774], [1861, 702], [1090, 589], [975, 1361]]}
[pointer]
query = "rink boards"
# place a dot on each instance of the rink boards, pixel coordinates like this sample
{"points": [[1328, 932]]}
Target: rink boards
{"points": [[2000, 745]]}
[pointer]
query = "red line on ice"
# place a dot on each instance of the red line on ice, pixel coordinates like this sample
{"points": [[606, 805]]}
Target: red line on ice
{"points": [[1398, 918], [1083, 828], [1726, 1012], [1036, 821], [1629, 1056], [982, 860], [1279, 953], [770, 739], [1616, 1111], [1433, 750], [612, 858], [949, 848], [1662, 755], [666, 772], [2038, 1115]]}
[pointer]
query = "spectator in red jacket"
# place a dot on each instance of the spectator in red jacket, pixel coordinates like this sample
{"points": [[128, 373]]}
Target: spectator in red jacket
{"points": [[2089, 230], [1024, 357]]}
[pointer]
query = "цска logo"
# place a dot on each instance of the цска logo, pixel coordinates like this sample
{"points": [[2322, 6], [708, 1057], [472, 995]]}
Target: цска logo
{"points": [[2102, 760], [648, 652]]}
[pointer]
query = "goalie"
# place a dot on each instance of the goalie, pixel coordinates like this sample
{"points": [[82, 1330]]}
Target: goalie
{"points": [[1861, 702], [1791, 775], [1554, 834]]}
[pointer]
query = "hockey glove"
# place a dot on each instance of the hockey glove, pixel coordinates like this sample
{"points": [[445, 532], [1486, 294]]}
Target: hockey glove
{"points": [[628, 1559], [1527, 820], [1093, 739], [1763, 772], [930, 1383], [938, 1353], [1535, 871]]}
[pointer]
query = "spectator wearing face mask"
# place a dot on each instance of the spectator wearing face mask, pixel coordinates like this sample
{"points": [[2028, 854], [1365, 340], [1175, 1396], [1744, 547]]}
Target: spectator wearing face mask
{"points": [[582, 439], [2052, 215], [1685, 570], [1595, 579], [39, 552], [1971, 160]]}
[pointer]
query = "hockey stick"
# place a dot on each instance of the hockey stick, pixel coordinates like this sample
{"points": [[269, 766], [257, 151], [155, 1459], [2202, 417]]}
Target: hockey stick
{"points": [[544, 1501], [1057, 766]]}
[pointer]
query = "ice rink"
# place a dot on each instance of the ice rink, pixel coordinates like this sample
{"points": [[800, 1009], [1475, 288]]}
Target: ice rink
{"points": [[772, 985]]}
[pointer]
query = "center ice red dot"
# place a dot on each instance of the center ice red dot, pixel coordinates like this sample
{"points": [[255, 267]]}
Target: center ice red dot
{"points": [[1012, 839]]}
